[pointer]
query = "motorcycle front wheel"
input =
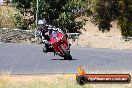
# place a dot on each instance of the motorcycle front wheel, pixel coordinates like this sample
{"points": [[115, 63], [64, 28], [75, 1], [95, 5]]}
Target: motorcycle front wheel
{"points": [[67, 55]]}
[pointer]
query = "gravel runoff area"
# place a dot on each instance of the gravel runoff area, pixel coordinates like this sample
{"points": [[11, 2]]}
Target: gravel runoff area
{"points": [[17, 36], [20, 36]]}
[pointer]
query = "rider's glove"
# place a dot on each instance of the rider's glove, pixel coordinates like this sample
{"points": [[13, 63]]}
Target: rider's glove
{"points": [[46, 42]]}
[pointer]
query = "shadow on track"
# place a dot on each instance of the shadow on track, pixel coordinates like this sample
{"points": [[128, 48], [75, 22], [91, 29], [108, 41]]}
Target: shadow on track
{"points": [[64, 59]]}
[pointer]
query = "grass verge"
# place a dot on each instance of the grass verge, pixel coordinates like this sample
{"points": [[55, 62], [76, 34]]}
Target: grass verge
{"points": [[50, 81]]}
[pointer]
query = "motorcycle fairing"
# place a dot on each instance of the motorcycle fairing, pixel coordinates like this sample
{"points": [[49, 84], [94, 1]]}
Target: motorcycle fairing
{"points": [[57, 40]]}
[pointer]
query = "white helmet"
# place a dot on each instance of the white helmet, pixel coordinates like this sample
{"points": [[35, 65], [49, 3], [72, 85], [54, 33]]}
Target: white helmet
{"points": [[42, 22]]}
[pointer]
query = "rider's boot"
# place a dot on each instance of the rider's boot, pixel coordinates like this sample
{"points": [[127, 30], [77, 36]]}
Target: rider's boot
{"points": [[46, 46], [45, 49]]}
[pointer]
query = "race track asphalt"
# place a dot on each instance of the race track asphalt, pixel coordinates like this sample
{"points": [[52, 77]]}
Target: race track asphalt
{"points": [[29, 59]]}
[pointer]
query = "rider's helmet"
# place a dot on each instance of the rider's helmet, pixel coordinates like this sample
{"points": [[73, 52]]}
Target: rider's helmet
{"points": [[42, 21], [42, 24]]}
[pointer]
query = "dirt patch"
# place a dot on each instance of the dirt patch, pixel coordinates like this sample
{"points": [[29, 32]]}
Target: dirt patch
{"points": [[16, 36], [7, 16], [31, 78], [92, 37]]}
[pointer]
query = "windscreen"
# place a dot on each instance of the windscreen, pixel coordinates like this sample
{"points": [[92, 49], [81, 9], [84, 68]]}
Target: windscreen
{"points": [[54, 35]]}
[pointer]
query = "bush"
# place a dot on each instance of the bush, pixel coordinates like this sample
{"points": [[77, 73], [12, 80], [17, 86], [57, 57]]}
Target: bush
{"points": [[20, 22], [6, 17], [125, 19], [105, 12]]}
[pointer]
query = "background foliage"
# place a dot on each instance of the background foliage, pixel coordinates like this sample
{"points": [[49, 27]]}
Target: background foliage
{"points": [[107, 11], [63, 13]]}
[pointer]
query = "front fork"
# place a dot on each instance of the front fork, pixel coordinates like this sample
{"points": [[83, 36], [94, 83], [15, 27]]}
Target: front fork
{"points": [[69, 45], [55, 53]]}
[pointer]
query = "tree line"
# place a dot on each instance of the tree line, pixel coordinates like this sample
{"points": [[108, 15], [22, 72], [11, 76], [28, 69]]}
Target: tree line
{"points": [[63, 14]]}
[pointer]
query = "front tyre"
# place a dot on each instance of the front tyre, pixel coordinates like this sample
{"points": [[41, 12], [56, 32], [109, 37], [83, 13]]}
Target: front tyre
{"points": [[67, 55]]}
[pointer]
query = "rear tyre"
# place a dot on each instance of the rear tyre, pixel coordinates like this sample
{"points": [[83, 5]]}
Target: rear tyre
{"points": [[67, 55]]}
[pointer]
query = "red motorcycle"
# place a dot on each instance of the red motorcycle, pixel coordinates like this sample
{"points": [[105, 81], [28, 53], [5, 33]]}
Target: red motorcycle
{"points": [[60, 44]]}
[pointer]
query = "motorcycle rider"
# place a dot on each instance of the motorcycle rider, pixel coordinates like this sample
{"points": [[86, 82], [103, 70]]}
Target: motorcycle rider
{"points": [[45, 32]]}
